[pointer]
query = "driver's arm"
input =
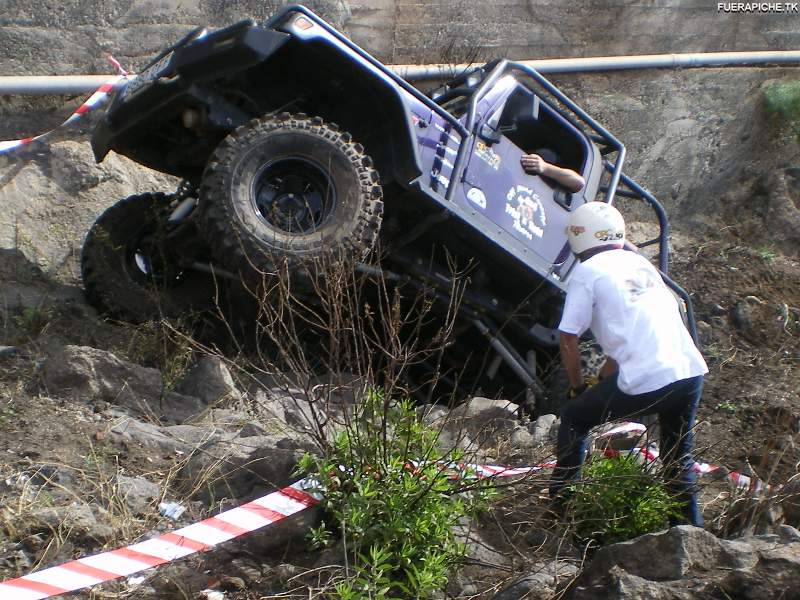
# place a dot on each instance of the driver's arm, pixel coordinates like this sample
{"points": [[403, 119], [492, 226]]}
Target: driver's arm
{"points": [[536, 165]]}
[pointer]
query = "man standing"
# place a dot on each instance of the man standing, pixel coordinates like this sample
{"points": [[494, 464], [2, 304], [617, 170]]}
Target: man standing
{"points": [[653, 366]]}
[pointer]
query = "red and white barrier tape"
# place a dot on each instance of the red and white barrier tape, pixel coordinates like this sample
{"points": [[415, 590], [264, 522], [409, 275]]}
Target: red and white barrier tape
{"points": [[204, 535], [739, 481], [199, 537], [93, 102]]}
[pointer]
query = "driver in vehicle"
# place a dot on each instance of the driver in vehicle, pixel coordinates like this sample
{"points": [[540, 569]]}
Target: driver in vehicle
{"points": [[543, 163]]}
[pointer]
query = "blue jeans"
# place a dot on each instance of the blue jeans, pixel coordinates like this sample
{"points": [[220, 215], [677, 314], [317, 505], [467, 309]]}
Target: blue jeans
{"points": [[676, 406]]}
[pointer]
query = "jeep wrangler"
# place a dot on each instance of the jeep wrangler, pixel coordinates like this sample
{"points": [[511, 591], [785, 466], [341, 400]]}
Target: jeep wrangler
{"points": [[291, 141]]}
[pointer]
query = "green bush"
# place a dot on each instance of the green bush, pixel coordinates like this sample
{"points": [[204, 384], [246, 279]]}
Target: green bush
{"points": [[617, 500], [783, 98], [390, 499]]}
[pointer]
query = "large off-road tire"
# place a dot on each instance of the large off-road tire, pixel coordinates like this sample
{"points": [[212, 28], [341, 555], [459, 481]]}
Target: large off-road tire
{"points": [[289, 190], [129, 273]]}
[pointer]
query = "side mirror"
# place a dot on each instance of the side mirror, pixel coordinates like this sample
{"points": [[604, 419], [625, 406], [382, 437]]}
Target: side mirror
{"points": [[489, 134]]}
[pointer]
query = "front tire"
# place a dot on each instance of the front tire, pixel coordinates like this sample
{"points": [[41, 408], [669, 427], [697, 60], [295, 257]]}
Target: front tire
{"points": [[289, 190], [127, 269]]}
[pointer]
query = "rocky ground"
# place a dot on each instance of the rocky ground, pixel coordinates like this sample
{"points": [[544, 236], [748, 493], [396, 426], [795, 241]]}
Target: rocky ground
{"points": [[103, 422]]}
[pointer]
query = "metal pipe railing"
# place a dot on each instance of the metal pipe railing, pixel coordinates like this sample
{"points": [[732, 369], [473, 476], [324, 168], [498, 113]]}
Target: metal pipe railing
{"points": [[614, 63], [52, 84], [79, 84]]}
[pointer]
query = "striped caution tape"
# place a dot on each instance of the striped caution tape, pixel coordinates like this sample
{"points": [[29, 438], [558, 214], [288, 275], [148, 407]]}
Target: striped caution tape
{"points": [[739, 481], [262, 512], [95, 100], [199, 537]]}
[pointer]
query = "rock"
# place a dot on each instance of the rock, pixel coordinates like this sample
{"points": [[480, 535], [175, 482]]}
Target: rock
{"points": [[689, 562], [246, 570], [521, 437], [242, 467], [705, 332], [128, 430], [542, 428], [459, 586], [541, 583], [790, 503], [210, 380], [97, 374], [479, 549], [479, 420], [137, 493], [178, 408], [78, 517], [193, 436], [91, 374]]}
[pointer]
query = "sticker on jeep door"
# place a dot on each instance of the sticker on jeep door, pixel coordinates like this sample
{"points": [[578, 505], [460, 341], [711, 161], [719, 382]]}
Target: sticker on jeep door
{"points": [[487, 155], [526, 209]]}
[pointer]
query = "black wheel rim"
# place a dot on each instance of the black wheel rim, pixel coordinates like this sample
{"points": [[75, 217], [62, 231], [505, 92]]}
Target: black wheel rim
{"points": [[148, 262], [293, 195]]}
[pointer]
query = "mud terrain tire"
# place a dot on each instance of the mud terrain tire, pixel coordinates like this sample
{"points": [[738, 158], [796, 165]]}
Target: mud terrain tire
{"points": [[126, 271], [289, 190]]}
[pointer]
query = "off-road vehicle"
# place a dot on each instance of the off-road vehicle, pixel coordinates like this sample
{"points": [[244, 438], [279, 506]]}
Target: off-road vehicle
{"points": [[292, 142]]}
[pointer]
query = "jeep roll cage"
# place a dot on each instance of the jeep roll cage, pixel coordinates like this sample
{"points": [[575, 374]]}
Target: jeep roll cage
{"points": [[616, 183]]}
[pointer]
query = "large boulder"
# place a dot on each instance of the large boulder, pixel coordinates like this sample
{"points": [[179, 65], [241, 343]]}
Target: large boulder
{"points": [[476, 424], [78, 517], [242, 468], [689, 562], [96, 375], [210, 380]]}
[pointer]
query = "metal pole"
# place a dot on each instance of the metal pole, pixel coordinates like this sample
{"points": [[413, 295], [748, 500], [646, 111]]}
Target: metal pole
{"points": [[614, 63], [80, 84], [56, 84]]}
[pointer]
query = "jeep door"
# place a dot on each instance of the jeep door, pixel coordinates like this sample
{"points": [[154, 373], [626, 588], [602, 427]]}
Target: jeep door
{"points": [[528, 208]]}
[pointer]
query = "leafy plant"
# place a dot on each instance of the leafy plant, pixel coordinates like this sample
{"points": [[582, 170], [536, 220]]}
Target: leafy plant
{"points": [[390, 498], [783, 98], [767, 255], [617, 500]]}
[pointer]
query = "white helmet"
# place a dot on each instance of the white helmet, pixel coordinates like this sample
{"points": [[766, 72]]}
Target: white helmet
{"points": [[595, 224]]}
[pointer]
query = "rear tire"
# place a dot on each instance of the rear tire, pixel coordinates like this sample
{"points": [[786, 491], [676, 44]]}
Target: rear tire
{"points": [[289, 190], [128, 271]]}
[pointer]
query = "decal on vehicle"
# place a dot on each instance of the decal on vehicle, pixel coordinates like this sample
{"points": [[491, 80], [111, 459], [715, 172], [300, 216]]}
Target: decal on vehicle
{"points": [[525, 207], [487, 155], [477, 197], [446, 131]]}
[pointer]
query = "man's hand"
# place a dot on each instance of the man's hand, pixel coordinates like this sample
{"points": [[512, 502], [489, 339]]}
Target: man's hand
{"points": [[533, 164]]}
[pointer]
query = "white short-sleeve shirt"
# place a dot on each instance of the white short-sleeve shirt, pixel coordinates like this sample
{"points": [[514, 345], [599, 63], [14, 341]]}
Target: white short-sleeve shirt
{"points": [[634, 317]]}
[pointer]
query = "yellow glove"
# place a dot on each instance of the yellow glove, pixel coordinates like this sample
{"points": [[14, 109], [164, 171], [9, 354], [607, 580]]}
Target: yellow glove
{"points": [[587, 383]]}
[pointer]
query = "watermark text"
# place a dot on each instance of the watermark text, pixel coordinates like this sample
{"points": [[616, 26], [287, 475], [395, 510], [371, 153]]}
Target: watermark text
{"points": [[758, 7]]}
